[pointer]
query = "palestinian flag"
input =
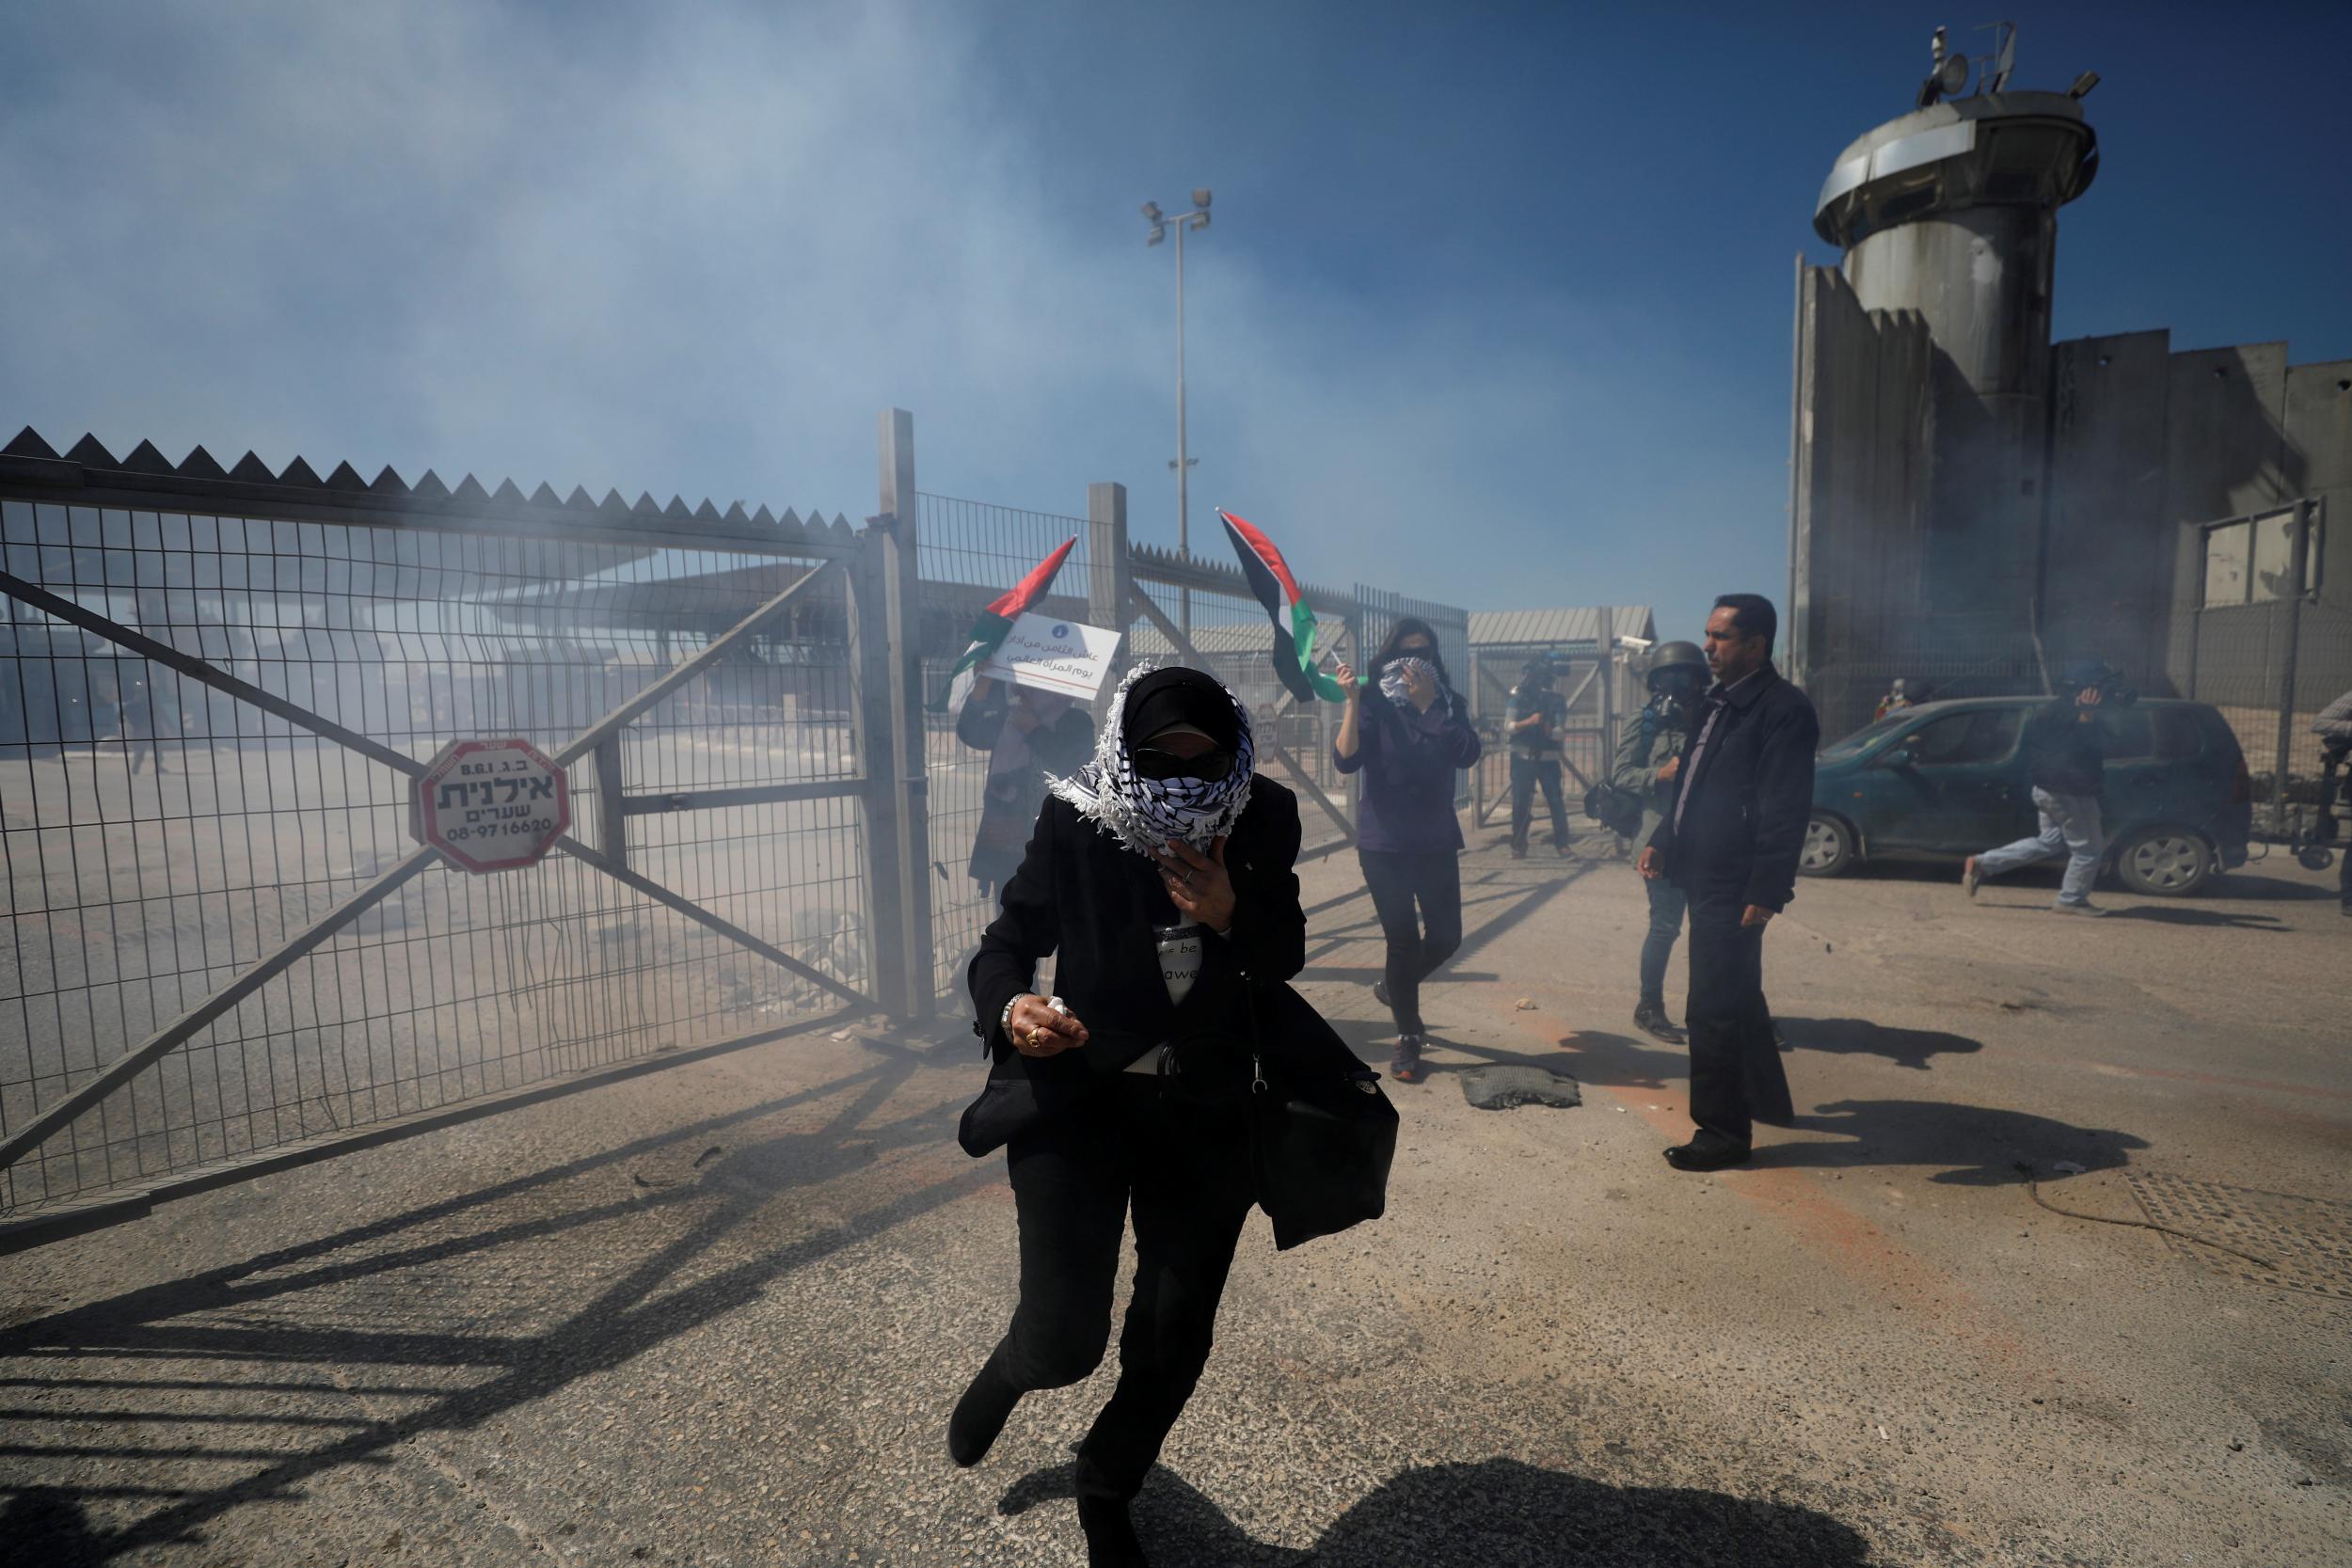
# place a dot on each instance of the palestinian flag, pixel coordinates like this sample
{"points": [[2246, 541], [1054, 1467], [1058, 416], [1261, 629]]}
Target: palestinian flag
{"points": [[989, 631], [1293, 619]]}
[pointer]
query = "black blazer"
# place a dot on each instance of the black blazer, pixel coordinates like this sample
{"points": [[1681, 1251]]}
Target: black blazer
{"points": [[1080, 895], [1750, 795]]}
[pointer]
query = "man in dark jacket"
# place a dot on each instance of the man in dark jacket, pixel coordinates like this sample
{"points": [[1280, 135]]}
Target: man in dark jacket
{"points": [[1730, 841], [2065, 758]]}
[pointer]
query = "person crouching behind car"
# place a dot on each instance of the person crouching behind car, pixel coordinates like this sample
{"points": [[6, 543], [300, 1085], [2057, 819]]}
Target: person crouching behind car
{"points": [[2065, 759]]}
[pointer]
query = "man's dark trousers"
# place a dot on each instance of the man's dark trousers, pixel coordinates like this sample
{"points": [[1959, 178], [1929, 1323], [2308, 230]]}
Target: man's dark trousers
{"points": [[1736, 1075], [1526, 773]]}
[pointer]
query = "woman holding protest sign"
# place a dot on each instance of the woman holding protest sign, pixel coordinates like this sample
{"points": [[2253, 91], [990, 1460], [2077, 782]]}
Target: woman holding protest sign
{"points": [[1026, 733]]}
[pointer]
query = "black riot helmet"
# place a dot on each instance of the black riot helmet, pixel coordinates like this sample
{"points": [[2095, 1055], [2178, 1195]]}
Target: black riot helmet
{"points": [[1676, 664]]}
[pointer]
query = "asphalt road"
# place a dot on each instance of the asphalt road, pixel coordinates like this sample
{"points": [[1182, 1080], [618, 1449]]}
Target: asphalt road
{"points": [[716, 1315]]}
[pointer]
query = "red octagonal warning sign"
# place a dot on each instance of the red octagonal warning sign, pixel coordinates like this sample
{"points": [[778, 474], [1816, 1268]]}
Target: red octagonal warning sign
{"points": [[491, 805]]}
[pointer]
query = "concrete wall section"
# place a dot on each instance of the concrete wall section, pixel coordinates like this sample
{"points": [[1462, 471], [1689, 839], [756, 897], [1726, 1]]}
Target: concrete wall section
{"points": [[2225, 453], [1855, 527], [2319, 432], [2109, 554]]}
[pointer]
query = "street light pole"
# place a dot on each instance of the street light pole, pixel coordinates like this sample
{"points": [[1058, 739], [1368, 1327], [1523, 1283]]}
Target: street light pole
{"points": [[1197, 218]]}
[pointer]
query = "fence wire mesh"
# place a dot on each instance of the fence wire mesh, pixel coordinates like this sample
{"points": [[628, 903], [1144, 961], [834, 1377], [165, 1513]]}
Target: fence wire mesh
{"points": [[159, 836], [2269, 669]]}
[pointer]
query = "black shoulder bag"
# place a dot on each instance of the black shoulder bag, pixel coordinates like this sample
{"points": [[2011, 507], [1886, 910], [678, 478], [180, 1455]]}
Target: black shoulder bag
{"points": [[1321, 1142]]}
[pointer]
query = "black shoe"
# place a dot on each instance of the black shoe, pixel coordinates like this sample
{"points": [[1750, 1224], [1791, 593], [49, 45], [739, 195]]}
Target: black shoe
{"points": [[1650, 1018], [1706, 1152], [1561, 850], [1380, 992], [1405, 1066], [1110, 1532], [1780, 1037], [980, 1415], [1519, 850]]}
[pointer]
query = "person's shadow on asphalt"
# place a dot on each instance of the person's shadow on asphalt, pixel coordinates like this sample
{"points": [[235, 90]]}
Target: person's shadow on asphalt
{"points": [[1493, 1513], [1979, 1146], [2156, 914]]}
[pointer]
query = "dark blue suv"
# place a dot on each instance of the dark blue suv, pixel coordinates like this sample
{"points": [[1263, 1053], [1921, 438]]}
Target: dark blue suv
{"points": [[1944, 780]]}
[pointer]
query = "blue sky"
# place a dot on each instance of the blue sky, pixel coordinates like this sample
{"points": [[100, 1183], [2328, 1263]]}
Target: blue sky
{"points": [[1496, 306]]}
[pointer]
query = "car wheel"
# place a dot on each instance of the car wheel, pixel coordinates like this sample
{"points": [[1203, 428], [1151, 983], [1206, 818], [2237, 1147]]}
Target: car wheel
{"points": [[2168, 863], [1828, 848]]}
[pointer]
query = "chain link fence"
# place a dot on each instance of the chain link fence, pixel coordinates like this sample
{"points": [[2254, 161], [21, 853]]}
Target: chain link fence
{"points": [[161, 836]]}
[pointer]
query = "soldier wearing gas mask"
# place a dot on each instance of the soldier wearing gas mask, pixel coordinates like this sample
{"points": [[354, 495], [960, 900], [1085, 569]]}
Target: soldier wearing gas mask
{"points": [[1537, 715], [1650, 746]]}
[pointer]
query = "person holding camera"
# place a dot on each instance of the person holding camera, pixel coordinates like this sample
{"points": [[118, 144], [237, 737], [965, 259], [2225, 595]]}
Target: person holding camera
{"points": [[1650, 744], [1537, 716], [2334, 728], [2065, 762]]}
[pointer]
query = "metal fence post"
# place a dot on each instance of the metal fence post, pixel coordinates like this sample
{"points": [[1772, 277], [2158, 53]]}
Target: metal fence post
{"points": [[2290, 610], [1608, 674], [906, 796], [1109, 577], [877, 764], [612, 827]]}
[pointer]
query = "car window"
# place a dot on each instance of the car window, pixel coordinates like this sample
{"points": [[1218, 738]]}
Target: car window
{"points": [[1861, 739], [1984, 735], [2177, 734], [2130, 737]]}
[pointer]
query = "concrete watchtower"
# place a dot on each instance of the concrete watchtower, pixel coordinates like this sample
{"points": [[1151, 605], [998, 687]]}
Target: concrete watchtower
{"points": [[1952, 211], [1948, 218]]}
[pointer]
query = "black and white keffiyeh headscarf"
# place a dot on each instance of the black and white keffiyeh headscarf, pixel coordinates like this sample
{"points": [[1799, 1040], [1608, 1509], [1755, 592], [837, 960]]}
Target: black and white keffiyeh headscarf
{"points": [[1144, 814], [1392, 681]]}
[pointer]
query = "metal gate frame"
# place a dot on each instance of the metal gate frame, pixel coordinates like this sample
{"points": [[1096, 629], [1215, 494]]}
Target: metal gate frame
{"points": [[877, 564]]}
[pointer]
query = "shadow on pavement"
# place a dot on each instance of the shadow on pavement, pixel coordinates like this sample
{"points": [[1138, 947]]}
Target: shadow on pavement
{"points": [[1517, 895], [1857, 1037], [224, 1317], [2245, 884], [1979, 1147], [2168, 915], [1493, 1513]]}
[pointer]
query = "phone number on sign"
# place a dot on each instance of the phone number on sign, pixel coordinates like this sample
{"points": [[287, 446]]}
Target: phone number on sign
{"points": [[541, 828]]}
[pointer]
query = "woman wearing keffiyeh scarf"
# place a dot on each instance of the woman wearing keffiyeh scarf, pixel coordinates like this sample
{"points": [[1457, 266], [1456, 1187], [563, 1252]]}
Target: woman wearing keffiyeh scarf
{"points": [[1410, 739], [1159, 877]]}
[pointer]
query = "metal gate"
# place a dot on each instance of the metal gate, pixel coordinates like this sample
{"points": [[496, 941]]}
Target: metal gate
{"points": [[227, 953]]}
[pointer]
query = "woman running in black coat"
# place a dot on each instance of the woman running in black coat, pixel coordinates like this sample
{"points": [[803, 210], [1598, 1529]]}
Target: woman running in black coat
{"points": [[1161, 876]]}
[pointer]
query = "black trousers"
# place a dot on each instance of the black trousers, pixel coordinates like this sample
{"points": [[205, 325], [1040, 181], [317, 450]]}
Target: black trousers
{"points": [[1526, 773], [1182, 1170], [1736, 1075], [1398, 881]]}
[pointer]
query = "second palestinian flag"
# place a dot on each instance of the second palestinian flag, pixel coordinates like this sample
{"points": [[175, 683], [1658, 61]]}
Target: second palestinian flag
{"points": [[1293, 619], [995, 621]]}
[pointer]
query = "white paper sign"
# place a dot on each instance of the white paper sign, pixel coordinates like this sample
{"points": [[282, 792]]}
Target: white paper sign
{"points": [[1061, 657]]}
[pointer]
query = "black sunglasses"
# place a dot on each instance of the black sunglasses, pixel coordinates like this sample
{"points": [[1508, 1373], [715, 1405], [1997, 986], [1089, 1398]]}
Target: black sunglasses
{"points": [[1150, 762]]}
